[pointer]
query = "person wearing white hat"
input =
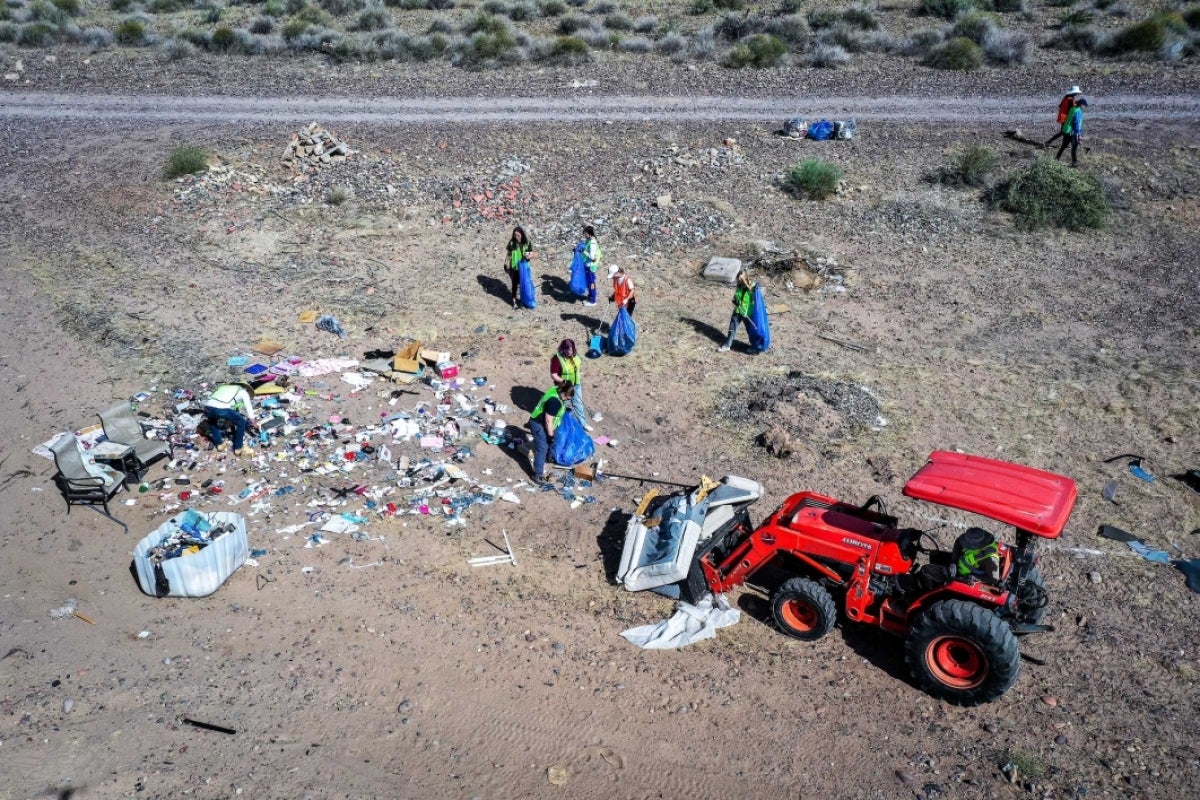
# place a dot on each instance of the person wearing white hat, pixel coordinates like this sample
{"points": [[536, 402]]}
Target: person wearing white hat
{"points": [[622, 293], [1064, 108]]}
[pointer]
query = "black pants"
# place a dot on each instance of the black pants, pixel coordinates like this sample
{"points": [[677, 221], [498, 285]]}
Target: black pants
{"points": [[630, 305], [1071, 141], [514, 277], [1056, 136]]}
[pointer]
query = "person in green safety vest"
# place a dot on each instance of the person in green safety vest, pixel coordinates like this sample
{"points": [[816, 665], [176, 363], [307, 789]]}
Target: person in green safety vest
{"points": [[543, 422], [976, 555], [564, 368], [230, 402], [592, 255], [743, 295], [519, 249]]}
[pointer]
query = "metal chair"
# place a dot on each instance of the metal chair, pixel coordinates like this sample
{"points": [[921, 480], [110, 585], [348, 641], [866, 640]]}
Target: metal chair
{"points": [[122, 427], [79, 484]]}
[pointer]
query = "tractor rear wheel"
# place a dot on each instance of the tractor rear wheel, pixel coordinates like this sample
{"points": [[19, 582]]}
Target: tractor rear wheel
{"points": [[1032, 598], [803, 609], [962, 653]]}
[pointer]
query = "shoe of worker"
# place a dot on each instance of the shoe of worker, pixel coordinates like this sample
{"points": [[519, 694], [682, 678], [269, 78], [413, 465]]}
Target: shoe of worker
{"points": [[723, 349], [222, 447]]}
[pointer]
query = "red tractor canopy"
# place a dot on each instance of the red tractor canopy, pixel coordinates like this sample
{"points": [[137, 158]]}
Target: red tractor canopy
{"points": [[1029, 499]]}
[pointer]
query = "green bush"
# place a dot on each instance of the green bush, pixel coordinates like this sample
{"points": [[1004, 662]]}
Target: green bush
{"points": [[729, 5], [36, 34], [570, 50], [314, 15], [1171, 20], [553, 8], [120, 5], [1147, 36], [274, 8], [823, 18], [374, 19], [790, 6], [973, 25], [761, 51], [167, 6], [41, 11], [618, 21], [973, 166], [1076, 16], [699, 7], [1052, 194], [860, 17], [490, 46], [572, 23], [959, 54], [9, 31], [222, 38], [1009, 6], [186, 159], [814, 178], [131, 32], [70, 7], [947, 9], [1191, 15], [294, 28]]}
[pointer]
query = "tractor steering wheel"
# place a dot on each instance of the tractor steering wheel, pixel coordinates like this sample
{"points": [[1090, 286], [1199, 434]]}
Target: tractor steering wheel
{"points": [[937, 545], [912, 541]]}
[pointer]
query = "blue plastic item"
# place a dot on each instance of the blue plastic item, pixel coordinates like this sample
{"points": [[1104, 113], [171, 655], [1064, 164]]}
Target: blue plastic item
{"points": [[622, 335], [1135, 469], [572, 445], [759, 327], [527, 290], [579, 278], [821, 130]]}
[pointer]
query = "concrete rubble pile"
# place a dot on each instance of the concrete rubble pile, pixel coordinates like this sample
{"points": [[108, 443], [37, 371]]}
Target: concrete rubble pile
{"points": [[314, 146]]}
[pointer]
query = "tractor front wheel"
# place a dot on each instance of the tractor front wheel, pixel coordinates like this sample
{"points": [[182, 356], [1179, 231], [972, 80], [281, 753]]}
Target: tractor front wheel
{"points": [[803, 609], [962, 653], [1032, 598]]}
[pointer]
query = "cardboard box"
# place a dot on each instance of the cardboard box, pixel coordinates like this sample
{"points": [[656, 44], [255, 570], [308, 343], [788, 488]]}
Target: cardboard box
{"points": [[434, 357], [447, 370], [407, 358]]}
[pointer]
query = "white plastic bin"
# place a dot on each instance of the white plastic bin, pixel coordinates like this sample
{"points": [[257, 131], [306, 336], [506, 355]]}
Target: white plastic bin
{"points": [[199, 574]]}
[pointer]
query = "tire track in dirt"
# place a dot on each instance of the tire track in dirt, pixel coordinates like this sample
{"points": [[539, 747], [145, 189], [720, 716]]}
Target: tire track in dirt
{"points": [[575, 108]]}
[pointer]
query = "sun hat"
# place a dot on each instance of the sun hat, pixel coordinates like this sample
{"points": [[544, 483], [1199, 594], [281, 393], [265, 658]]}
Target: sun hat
{"points": [[612, 270], [1075, 90]]}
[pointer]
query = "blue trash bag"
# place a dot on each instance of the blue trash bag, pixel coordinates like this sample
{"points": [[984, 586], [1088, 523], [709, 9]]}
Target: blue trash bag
{"points": [[759, 327], [572, 445], [579, 276], [820, 131], [622, 334], [527, 290]]}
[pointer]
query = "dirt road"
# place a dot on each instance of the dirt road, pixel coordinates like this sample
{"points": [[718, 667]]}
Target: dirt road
{"points": [[575, 106]]}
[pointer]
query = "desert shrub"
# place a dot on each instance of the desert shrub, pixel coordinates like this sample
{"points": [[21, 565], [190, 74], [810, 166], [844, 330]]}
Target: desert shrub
{"points": [[635, 44], [495, 7], [618, 22], [1005, 47], [827, 56], [441, 24], [761, 51], [814, 179], [947, 9], [186, 159], [553, 8], [920, 43], [703, 45], [1191, 16], [374, 18], [36, 34], [294, 28], [729, 5], [313, 15], [861, 17], [484, 22], [42, 11], [973, 25], [1147, 36], [197, 37], [337, 196], [342, 7], [262, 25], [1171, 20], [569, 50], [9, 31], [176, 49], [972, 166], [790, 6], [131, 32], [604, 7], [957, 54], [427, 48], [699, 7], [316, 37], [1049, 193], [823, 18], [96, 38], [791, 28], [735, 27], [522, 12], [212, 14], [573, 23], [646, 24], [1008, 6], [577, 3], [599, 38], [671, 43], [274, 8], [852, 40], [1084, 39], [489, 47], [1076, 16], [72, 8], [439, 5], [222, 38], [120, 5], [1119, 10]]}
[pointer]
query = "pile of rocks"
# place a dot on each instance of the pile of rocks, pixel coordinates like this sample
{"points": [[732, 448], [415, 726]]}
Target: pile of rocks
{"points": [[728, 154], [314, 147]]}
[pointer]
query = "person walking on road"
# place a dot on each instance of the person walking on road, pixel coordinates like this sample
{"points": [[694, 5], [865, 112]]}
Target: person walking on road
{"points": [[564, 369], [1064, 108], [592, 255], [543, 422], [622, 294], [519, 249], [743, 295], [1072, 131]]}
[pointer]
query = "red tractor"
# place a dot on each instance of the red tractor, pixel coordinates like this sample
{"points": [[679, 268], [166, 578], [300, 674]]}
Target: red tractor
{"points": [[960, 612]]}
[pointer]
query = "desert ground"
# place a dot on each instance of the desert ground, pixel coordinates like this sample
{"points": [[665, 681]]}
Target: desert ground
{"points": [[389, 667]]}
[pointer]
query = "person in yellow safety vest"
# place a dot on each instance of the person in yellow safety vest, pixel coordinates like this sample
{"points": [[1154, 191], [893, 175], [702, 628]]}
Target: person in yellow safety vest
{"points": [[743, 295], [543, 422], [592, 255], [564, 368], [519, 249], [230, 402], [623, 294]]}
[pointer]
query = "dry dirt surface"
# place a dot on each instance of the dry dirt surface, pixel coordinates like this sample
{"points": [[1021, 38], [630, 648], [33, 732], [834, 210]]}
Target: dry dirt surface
{"points": [[392, 668]]}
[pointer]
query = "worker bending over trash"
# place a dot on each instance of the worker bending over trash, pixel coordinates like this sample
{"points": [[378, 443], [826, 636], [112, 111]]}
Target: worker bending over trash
{"points": [[230, 402], [544, 421]]}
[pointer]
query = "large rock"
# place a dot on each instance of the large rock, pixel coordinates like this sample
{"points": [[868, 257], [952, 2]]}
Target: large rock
{"points": [[722, 270]]}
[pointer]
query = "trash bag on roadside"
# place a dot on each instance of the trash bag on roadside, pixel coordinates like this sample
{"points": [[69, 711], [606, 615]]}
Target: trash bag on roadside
{"points": [[796, 127], [622, 334], [845, 130], [527, 290], [572, 445], [759, 327], [579, 277], [820, 131]]}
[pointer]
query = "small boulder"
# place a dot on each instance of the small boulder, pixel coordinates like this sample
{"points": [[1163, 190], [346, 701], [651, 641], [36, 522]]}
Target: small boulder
{"points": [[722, 270]]}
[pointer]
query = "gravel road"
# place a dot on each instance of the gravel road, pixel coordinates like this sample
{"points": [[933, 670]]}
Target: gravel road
{"points": [[627, 108]]}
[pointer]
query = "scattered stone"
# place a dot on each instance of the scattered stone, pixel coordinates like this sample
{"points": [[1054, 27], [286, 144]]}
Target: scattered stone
{"points": [[1050, 700], [558, 775], [663, 201], [777, 442], [907, 778], [314, 147], [1094, 577], [68, 706], [405, 705]]}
